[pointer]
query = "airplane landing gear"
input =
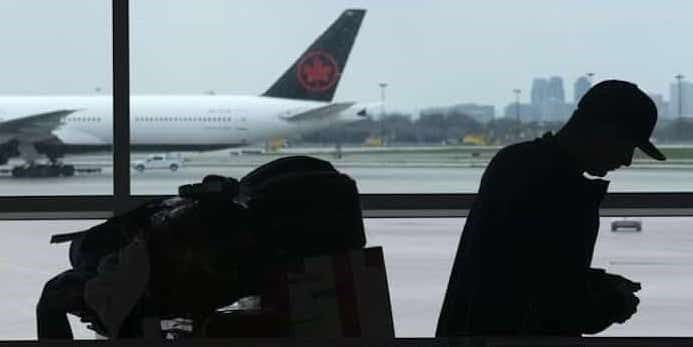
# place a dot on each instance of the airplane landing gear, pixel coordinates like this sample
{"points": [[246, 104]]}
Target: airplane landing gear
{"points": [[43, 170]]}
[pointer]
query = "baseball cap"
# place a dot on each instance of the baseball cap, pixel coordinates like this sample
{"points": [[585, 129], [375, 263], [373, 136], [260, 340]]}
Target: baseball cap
{"points": [[626, 109]]}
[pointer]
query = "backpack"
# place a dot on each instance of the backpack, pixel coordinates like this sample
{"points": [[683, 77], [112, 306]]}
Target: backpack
{"points": [[302, 206]]}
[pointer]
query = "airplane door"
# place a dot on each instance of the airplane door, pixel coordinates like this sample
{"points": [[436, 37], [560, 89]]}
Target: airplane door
{"points": [[241, 132]]}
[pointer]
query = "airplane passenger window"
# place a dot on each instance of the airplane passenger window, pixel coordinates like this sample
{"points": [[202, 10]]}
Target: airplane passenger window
{"points": [[420, 96], [56, 96]]}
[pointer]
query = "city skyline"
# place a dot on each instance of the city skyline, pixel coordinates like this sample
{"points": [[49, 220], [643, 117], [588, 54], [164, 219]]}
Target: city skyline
{"points": [[667, 107]]}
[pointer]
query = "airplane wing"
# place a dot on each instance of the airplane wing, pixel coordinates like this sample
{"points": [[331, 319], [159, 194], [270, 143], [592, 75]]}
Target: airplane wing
{"points": [[363, 110], [320, 112], [36, 123]]}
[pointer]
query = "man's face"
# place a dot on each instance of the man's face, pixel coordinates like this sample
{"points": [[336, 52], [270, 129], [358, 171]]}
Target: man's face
{"points": [[609, 154]]}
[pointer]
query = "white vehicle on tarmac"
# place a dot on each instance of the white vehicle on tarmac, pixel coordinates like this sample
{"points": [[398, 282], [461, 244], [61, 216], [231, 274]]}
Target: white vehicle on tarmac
{"points": [[158, 161]]}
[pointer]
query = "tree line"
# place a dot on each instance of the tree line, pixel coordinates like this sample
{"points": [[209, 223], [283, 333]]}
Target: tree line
{"points": [[458, 128]]}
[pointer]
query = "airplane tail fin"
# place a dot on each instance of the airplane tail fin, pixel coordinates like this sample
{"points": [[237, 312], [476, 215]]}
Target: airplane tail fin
{"points": [[316, 73]]}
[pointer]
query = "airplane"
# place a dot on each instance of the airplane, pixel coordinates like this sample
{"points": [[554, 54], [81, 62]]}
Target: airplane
{"points": [[35, 127]]}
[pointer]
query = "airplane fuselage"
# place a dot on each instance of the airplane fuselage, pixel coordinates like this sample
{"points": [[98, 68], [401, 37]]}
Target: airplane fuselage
{"points": [[300, 101], [182, 122]]}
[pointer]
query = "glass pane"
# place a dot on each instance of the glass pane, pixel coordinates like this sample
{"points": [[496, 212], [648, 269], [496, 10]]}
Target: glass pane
{"points": [[55, 98], [419, 255], [27, 262], [459, 81]]}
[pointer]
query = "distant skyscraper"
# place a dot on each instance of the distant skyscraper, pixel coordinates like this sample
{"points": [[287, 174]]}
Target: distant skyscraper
{"points": [[538, 95], [581, 86], [548, 99], [686, 99], [555, 90]]}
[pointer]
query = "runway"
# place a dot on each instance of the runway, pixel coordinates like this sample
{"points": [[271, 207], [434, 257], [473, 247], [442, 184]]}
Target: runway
{"points": [[370, 179], [418, 257]]}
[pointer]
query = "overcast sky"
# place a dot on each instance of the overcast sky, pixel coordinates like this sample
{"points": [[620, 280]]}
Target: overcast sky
{"points": [[430, 52]]}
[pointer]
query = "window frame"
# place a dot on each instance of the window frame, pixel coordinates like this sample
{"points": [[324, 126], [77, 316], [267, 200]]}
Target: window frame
{"points": [[374, 205]]}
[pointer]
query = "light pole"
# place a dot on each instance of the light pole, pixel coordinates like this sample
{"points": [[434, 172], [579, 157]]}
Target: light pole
{"points": [[382, 86], [679, 79], [517, 104]]}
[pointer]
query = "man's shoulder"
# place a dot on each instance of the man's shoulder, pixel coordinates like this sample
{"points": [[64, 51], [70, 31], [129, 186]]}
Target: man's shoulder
{"points": [[524, 154], [520, 172], [521, 166]]}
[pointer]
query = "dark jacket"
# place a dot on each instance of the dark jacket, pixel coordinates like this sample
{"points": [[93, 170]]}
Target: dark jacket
{"points": [[522, 264]]}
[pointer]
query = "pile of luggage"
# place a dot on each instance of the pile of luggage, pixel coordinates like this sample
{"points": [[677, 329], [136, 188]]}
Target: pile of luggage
{"points": [[187, 256]]}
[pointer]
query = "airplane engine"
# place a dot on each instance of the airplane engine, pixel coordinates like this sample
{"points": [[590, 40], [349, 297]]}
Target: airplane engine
{"points": [[361, 111], [8, 150]]}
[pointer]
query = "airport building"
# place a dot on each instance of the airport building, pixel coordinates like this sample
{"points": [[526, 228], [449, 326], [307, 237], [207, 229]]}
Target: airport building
{"points": [[478, 112], [680, 99], [525, 112], [662, 105], [391, 217]]}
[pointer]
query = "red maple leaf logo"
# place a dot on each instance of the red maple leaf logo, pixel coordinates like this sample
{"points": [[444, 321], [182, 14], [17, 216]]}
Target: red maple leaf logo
{"points": [[317, 71]]}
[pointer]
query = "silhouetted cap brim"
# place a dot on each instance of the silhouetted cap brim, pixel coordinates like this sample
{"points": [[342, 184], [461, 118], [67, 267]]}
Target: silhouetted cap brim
{"points": [[652, 151]]}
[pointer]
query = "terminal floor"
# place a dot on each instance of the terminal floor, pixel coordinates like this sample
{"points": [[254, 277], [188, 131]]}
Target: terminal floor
{"points": [[418, 255]]}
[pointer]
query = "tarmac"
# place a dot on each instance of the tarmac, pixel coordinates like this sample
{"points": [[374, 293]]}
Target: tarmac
{"points": [[370, 180]]}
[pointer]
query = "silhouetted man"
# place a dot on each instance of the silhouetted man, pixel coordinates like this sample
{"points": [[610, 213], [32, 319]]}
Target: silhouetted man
{"points": [[523, 263]]}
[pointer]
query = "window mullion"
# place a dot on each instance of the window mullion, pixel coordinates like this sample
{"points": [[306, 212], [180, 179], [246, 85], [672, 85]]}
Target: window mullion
{"points": [[121, 105]]}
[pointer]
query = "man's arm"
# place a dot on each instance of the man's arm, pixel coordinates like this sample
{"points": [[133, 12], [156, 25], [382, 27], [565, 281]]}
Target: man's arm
{"points": [[567, 297], [539, 222]]}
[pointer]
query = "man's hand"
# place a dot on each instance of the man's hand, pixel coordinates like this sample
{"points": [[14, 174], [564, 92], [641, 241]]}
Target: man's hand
{"points": [[621, 283], [630, 306], [625, 288], [617, 292]]}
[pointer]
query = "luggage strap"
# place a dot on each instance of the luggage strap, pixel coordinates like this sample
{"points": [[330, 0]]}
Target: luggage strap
{"points": [[61, 238]]}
